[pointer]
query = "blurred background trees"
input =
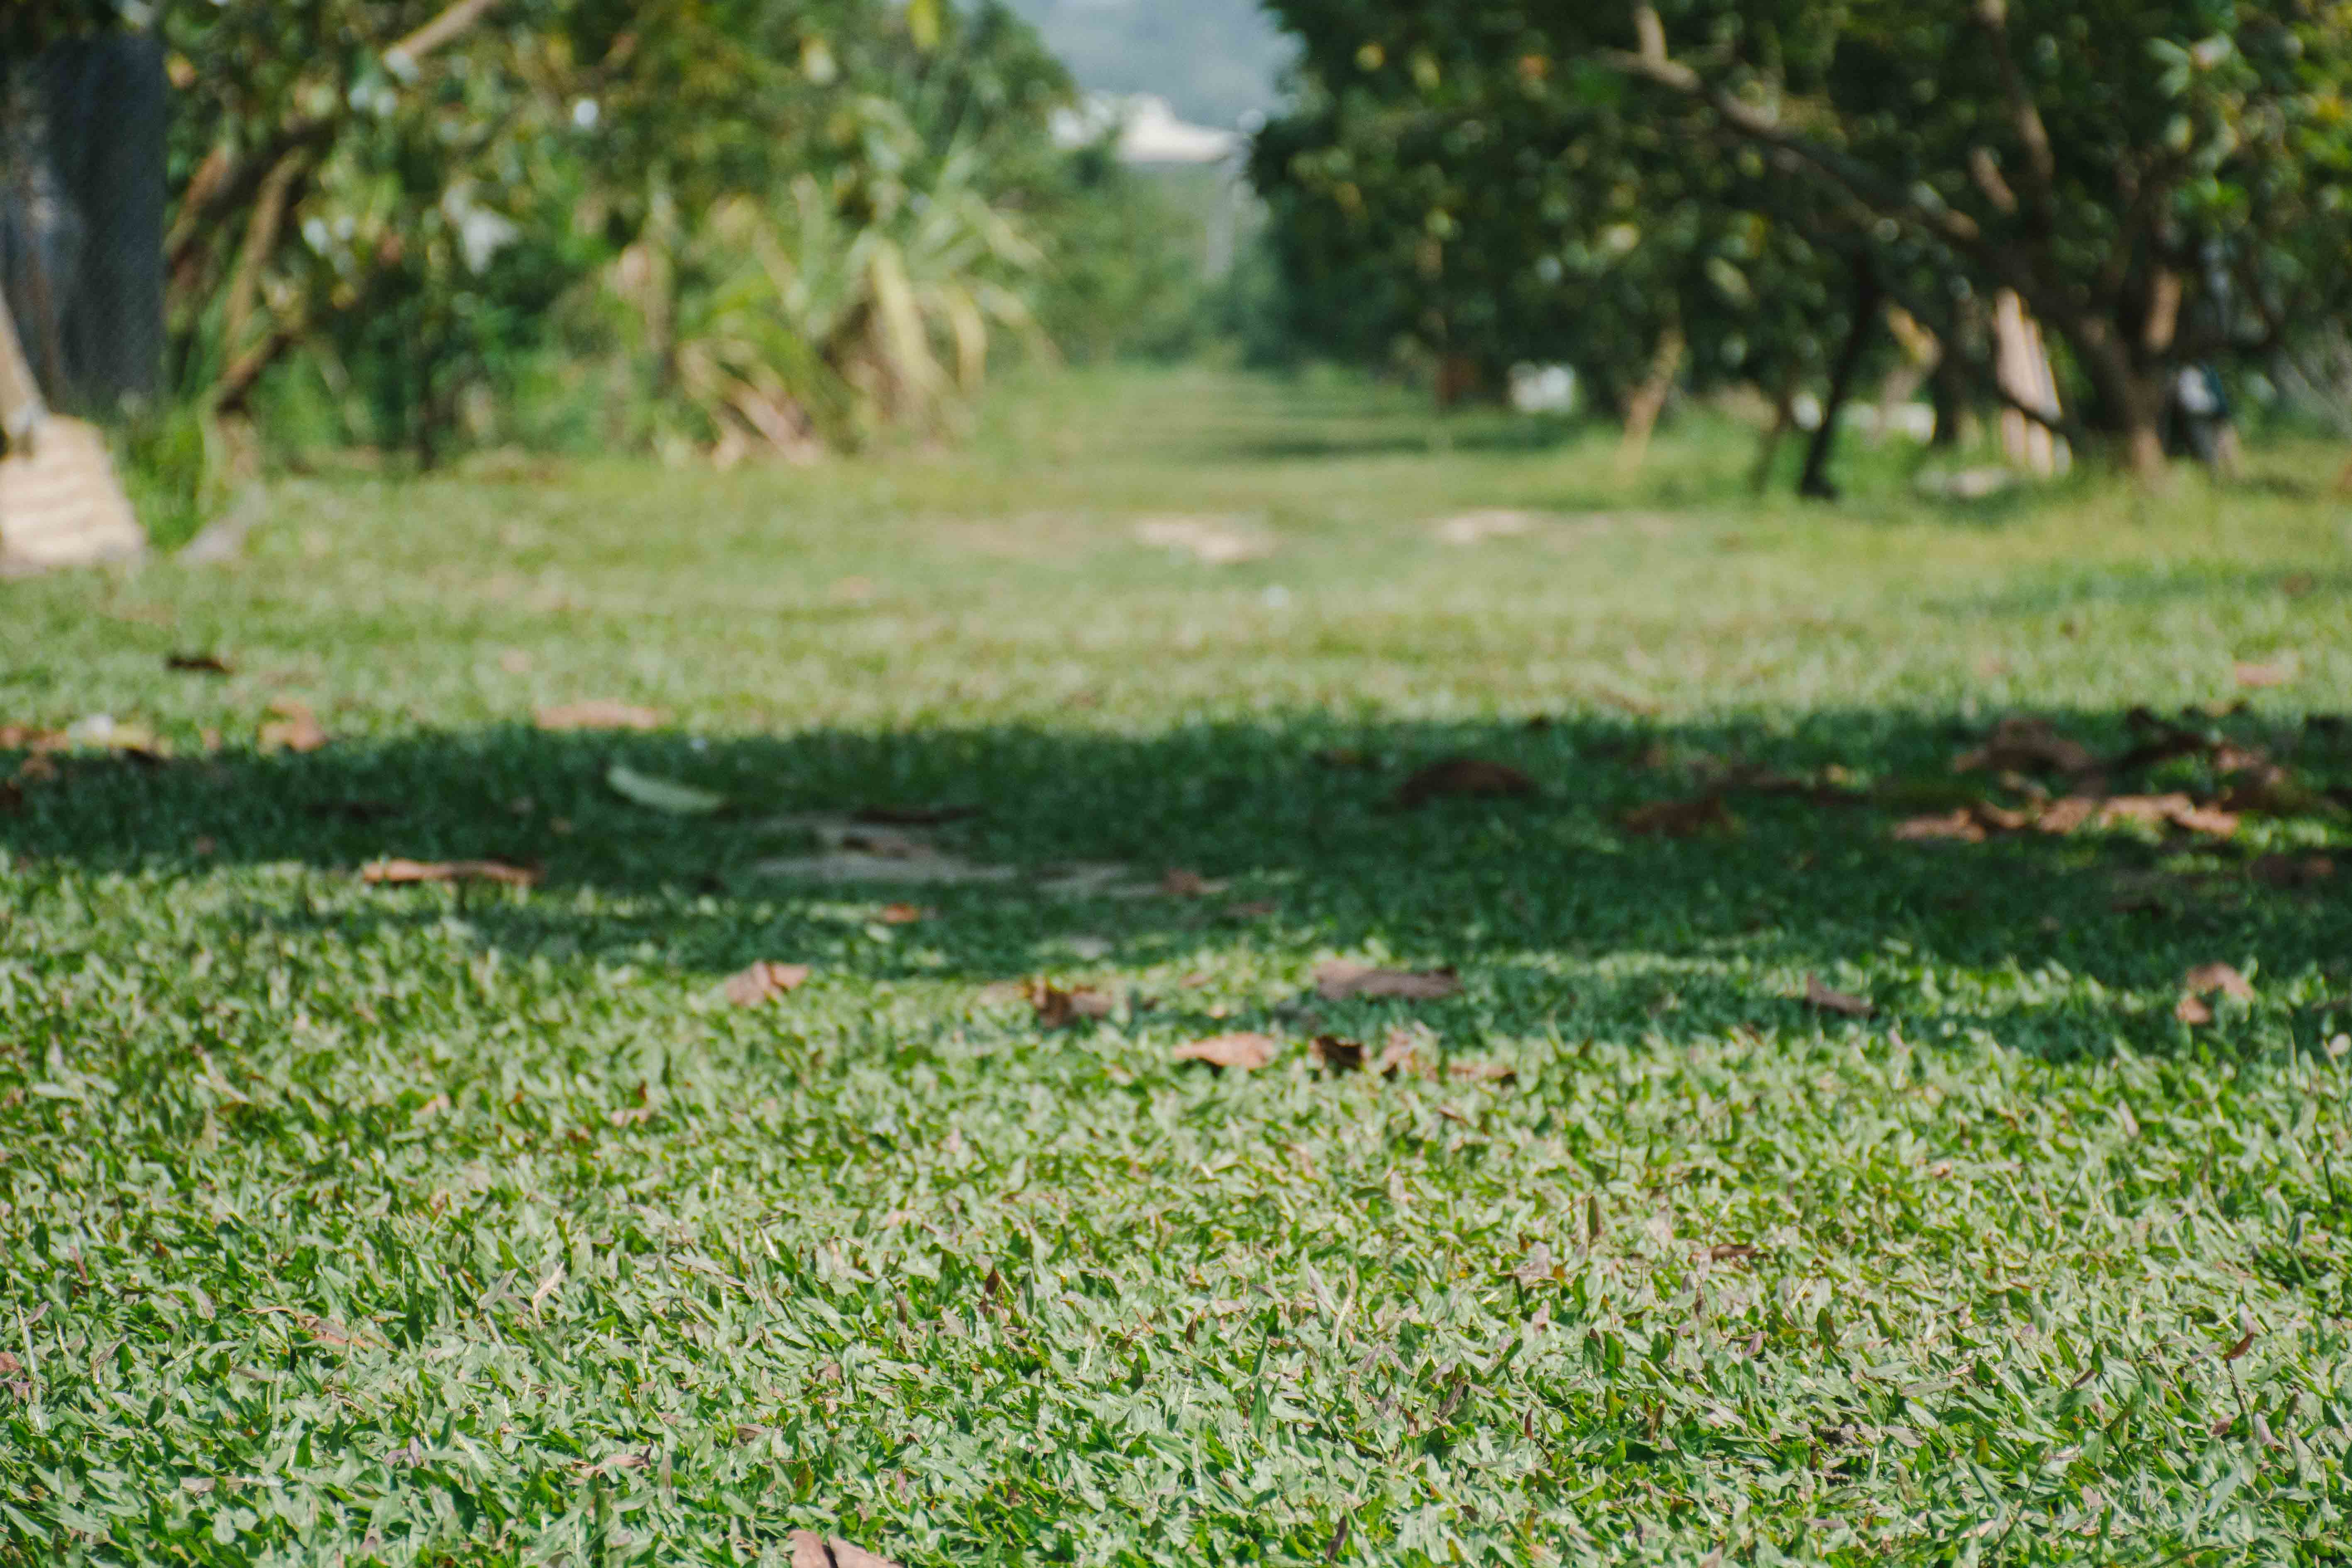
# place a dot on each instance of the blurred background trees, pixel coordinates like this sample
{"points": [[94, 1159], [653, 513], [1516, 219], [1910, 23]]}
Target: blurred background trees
{"points": [[724, 226], [2161, 185], [737, 229]]}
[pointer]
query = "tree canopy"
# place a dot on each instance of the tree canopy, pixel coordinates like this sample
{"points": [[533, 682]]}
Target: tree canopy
{"points": [[2160, 184]]}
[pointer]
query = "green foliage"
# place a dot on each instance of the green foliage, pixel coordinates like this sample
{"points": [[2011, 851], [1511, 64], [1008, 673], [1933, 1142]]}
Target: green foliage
{"points": [[2162, 184], [748, 226], [429, 1224]]}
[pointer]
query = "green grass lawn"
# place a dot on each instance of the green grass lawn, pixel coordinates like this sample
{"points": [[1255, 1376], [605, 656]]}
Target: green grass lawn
{"points": [[344, 1224]]}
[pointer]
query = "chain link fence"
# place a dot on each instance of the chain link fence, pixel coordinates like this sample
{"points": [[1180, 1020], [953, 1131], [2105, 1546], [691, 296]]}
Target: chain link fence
{"points": [[82, 130]]}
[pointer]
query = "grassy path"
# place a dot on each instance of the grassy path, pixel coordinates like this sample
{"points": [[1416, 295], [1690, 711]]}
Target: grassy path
{"points": [[349, 1223]]}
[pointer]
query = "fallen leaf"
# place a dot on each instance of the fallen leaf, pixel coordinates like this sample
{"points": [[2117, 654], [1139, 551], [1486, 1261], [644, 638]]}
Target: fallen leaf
{"points": [[600, 714], [1334, 1054], [1339, 980], [2293, 871], [1959, 826], [764, 982], [1483, 1072], [1245, 1052], [1678, 818], [1536, 1268], [2264, 788], [2028, 745], [916, 815], [811, 1550], [296, 727], [1733, 1252], [2192, 1011], [1057, 1008], [662, 794], [2256, 676], [395, 873], [2067, 815], [1464, 778], [1405, 1054], [1820, 995], [2207, 978], [1182, 884], [905, 914], [2240, 1348], [198, 664]]}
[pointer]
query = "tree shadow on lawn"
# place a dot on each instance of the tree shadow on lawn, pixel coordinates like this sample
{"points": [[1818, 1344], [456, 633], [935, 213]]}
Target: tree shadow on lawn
{"points": [[1561, 919]]}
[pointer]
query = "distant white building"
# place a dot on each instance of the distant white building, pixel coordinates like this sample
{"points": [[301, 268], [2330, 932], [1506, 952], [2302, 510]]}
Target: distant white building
{"points": [[1147, 129]]}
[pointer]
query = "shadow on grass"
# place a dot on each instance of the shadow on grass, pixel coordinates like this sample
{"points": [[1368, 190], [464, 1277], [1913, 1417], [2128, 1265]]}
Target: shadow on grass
{"points": [[1559, 918]]}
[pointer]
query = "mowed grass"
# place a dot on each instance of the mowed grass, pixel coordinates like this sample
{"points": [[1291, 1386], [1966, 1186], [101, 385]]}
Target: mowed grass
{"points": [[348, 1224]]}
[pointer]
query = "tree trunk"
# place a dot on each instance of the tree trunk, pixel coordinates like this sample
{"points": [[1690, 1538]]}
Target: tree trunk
{"points": [[1649, 399], [1815, 485], [1948, 384], [1784, 419], [2134, 397]]}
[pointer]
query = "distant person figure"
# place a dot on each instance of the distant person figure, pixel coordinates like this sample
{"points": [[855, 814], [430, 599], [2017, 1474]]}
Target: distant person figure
{"points": [[2202, 423]]}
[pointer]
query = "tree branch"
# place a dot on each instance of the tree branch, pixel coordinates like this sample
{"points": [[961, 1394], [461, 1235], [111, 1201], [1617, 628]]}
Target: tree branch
{"points": [[1857, 178], [221, 189], [437, 32], [2040, 165]]}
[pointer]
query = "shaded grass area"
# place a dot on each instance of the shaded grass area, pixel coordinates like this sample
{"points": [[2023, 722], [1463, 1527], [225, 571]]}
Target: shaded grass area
{"points": [[348, 1223]]}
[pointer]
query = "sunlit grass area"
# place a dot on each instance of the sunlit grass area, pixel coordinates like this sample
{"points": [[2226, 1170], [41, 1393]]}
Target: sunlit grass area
{"points": [[350, 1221]]}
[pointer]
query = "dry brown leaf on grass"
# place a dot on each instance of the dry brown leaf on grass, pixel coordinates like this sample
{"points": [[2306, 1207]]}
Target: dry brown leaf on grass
{"points": [[1407, 1052], [1178, 883], [598, 714], [811, 1550], [2207, 978], [2257, 677], [2028, 745], [905, 914], [296, 727], [2290, 871], [1959, 826], [764, 982], [1483, 1072], [397, 872], [1057, 1007], [197, 664], [1464, 778], [1334, 1055], [1679, 818], [1820, 995], [1341, 979], [1733, 1252], [1245, 1052]]}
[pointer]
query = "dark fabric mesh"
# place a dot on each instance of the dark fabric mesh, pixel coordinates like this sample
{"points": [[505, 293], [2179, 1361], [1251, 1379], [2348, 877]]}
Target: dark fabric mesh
{"points": [[81, 218]]}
